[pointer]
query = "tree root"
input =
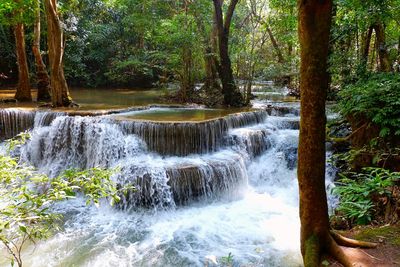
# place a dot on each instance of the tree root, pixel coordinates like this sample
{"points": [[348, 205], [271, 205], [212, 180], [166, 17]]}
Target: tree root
{"points": [[347, 242], [335, 241], [337, 252]]}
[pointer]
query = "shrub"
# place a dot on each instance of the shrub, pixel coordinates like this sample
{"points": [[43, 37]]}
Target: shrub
{"points": [[26, 198], [357, 192], [377, 99]]}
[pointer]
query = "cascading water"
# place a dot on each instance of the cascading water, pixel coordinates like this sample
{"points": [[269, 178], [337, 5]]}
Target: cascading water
{"points": [[235, 194], [14, 121]]}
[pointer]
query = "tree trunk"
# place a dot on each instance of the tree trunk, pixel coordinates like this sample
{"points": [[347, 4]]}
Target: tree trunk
{"points": [[59, 88], [211, 87], [384, 62], [316, 238], [398, 55], [275, 45], [365, 44], [314, 27], [186, 90], [211, 84], [23, 90], [232, 96], [43, 80]]}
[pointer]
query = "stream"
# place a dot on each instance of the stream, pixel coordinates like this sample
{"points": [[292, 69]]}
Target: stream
{"points": [[216, 190]]}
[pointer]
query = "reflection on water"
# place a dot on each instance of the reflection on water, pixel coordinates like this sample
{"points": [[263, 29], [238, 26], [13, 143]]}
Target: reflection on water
{"points": [[101, 99], [98, 98], [178, 114], [116, 98]]}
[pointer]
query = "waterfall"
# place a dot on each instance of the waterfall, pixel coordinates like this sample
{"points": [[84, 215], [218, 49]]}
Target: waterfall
{"points": [[61, 141], [203, 190], [179, 139], [153, 156], [184, 138], [14, 121]]}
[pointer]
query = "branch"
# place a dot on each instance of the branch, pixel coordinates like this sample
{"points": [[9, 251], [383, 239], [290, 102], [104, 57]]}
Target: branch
{"points": [[9, 249], [229, 14], [218, 16]]}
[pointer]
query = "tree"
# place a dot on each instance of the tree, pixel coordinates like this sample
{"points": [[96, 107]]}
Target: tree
{"points": [[12, 13], [384, 62], [232, 96], [23, 89], [316, 237], [59, 89], [208, 33], [43, 80]]}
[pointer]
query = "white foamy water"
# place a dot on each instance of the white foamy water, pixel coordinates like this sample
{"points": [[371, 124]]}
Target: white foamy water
{"points": [[258, 223]]}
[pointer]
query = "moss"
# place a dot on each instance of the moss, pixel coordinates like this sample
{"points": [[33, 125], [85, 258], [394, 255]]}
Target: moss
{"points": [[390, 234], [312, 251]]}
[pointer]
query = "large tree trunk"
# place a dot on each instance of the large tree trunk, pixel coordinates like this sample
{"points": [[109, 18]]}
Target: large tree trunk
{"points": [[314, 28], [316, 237], [43, 81], [59, 88], [211, 87], [232, 96], [384, 62], [23, 90], [187, 85]]}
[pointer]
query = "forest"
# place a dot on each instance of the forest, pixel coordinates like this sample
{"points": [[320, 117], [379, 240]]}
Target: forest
{"points": [[200, 133]]}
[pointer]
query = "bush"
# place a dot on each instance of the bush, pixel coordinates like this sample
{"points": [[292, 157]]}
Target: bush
{"points": [[26, 198], [358, 191], [376, 99]]}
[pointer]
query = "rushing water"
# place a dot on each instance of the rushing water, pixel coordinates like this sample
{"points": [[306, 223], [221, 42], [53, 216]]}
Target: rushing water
{"points": [[236, 195]]}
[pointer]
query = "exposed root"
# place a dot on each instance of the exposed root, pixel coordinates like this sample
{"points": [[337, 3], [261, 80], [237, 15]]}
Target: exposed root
{"points": [[357, 130], [333, 243], [347, 242], [337, 252]]}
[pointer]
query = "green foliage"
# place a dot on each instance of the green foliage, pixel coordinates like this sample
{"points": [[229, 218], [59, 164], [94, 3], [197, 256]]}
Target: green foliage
{"points": [[26, 198], [227, 260], [358, 190], [253, 55], [350, 25], [19, 139], [12, 12], [136, 69], [376, 99]]}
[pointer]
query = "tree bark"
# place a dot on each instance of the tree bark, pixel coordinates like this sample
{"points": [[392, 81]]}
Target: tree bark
{"points": [[187, 85], [59, 89], [365, 44], [23, 93], [314, 28], [211, 47], [316, 238], [384, 62], [43, 80], [232, 96], [398, 55]]}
